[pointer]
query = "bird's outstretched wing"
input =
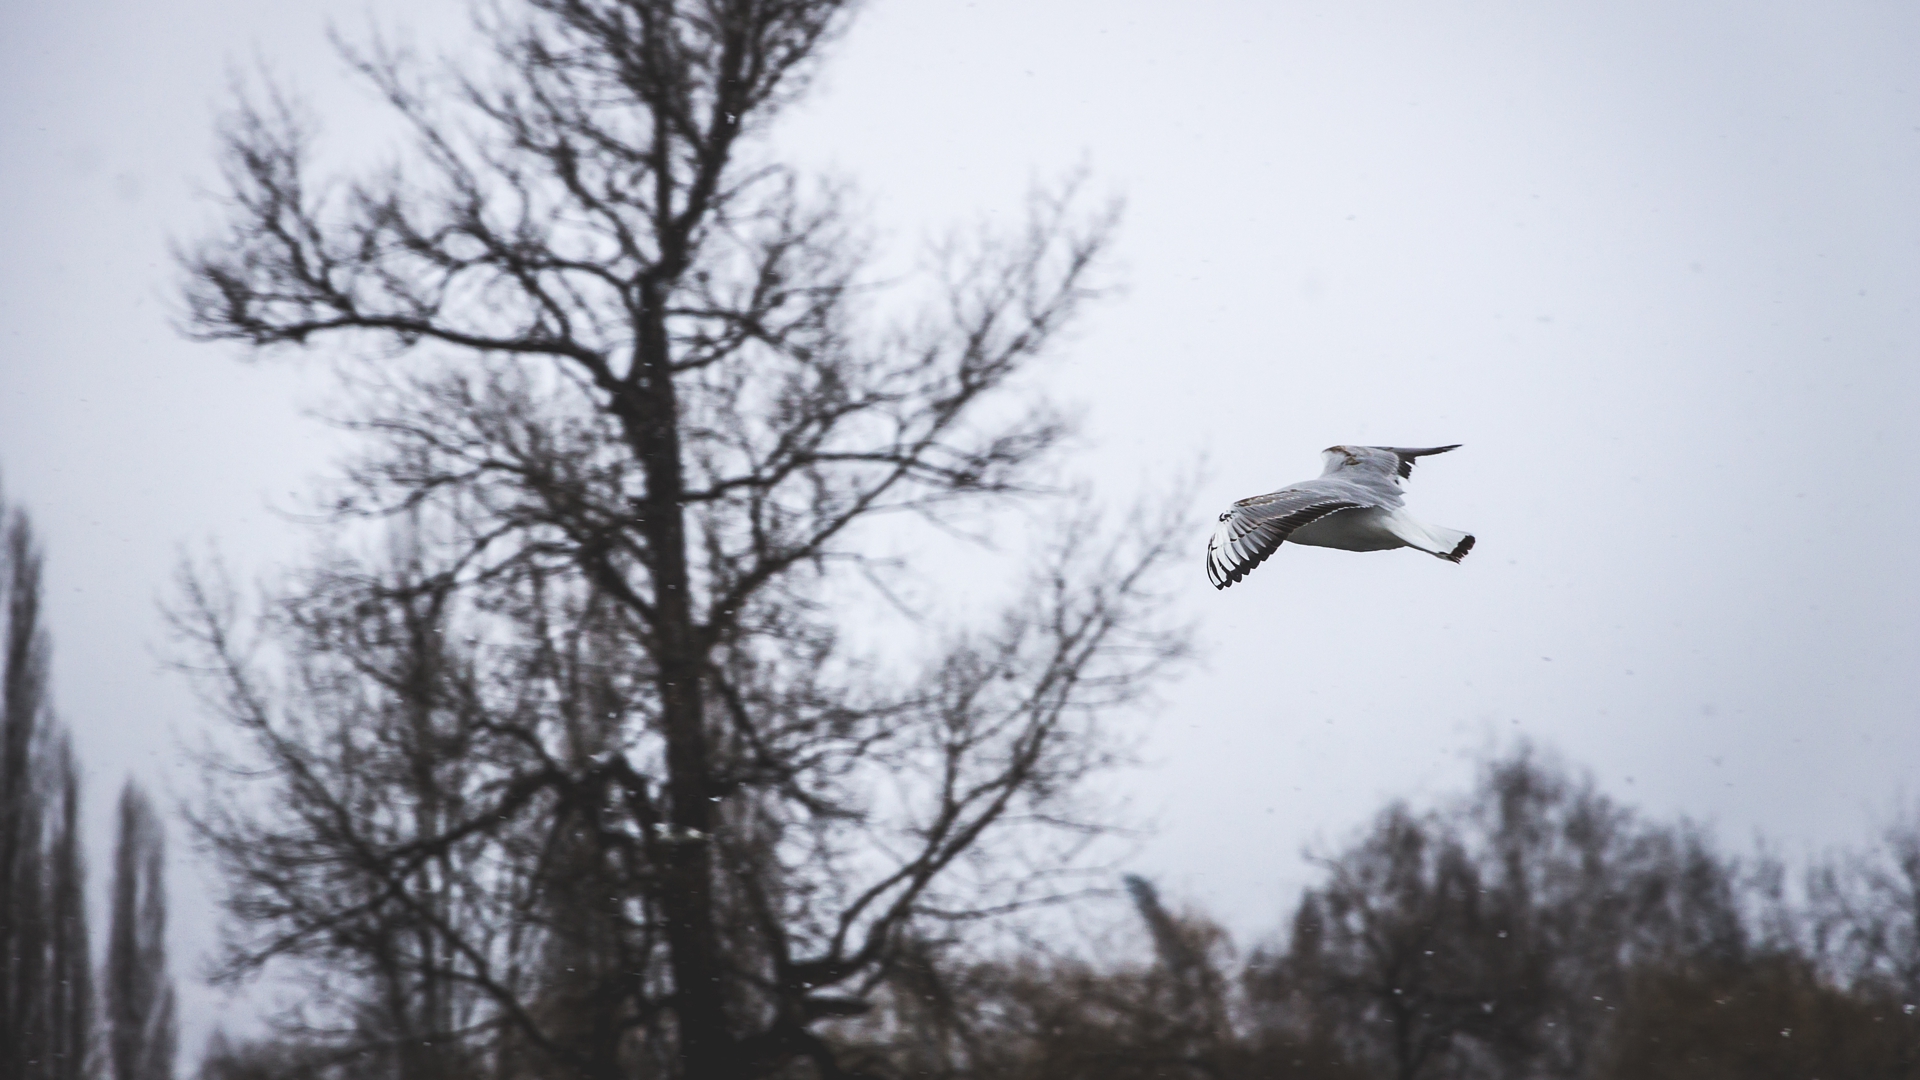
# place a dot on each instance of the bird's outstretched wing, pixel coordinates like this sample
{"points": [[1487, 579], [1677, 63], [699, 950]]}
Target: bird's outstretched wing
{"points": [[1253, 528]]}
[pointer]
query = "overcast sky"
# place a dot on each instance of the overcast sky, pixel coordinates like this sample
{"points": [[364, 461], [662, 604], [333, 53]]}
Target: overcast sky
{"points": [[1656, 265]]}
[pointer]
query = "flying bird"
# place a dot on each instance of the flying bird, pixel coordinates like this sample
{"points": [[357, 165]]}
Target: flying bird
{"points": [[1355, 505]]}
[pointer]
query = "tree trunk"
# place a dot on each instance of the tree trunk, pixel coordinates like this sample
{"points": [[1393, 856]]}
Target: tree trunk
{"points": [[686, 894]]}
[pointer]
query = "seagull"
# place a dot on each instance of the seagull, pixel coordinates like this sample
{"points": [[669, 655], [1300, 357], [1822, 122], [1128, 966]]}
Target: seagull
{"points": [[1355, 505]]}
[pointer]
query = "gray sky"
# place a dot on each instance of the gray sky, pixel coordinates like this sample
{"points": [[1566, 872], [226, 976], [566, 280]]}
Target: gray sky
{"points": [[1656, 265]]}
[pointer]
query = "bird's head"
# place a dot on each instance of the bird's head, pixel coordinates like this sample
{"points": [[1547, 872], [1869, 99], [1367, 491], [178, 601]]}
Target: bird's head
{"points": [[1364, 457]]}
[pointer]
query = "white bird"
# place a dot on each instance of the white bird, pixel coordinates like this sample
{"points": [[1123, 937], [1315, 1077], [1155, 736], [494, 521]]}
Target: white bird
{"points": [[1355, 505]]}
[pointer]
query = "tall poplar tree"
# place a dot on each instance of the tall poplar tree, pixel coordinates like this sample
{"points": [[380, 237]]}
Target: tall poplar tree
{"points": [[141, 1035], [70, 996], [25, 730], [46, 986]]}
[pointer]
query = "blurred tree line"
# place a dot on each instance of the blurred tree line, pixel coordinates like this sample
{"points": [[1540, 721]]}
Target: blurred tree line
{"points": [[1531, 928], [52, 1026]]}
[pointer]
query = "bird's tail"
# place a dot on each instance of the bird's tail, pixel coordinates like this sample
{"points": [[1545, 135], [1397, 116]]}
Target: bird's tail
{"points": [[1449, 544]]}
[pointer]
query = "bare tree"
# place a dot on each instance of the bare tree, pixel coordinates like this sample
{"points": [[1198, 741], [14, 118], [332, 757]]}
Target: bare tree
{"points": [[1393, 951], [140, 1011], [1863, 917], [1501, 936], [1034, 1014], [1199, 1006], [595, 758]]}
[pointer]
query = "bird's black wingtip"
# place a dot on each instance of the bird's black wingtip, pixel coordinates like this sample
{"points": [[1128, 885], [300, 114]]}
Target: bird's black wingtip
{"points": [[1407, 454], [1232, 576], [1459, 550]]}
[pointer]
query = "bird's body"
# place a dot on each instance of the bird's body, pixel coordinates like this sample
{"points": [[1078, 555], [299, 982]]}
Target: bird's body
{"points": [[1354, 505]]}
